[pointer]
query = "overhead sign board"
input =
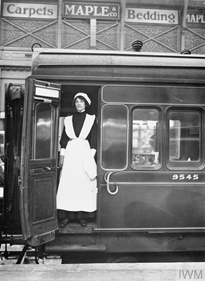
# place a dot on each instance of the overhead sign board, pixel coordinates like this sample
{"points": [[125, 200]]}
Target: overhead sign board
{"points": [[195, 18], [27, 10], [91, 10], [151, 16]]}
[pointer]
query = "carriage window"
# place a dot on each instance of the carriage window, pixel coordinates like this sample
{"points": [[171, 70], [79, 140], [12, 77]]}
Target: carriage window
{"points": [[145, 139], [184, 135], [43, 130], [114, 137]]}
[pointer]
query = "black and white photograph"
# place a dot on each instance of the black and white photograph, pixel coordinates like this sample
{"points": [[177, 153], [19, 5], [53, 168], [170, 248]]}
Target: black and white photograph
{"points": [[102, 130]]}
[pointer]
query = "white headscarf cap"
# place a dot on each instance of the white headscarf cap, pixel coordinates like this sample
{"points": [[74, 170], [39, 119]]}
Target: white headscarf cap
{"points": [[85, 97]]}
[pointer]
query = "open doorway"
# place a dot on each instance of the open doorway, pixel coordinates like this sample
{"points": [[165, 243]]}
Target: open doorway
{"points": [[82, 217]]}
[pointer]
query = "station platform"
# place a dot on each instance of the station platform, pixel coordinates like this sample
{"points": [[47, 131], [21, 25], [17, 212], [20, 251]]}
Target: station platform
{"points": [[104, 272]]}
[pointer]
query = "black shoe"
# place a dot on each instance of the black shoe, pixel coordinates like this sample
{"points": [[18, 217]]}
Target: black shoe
{"points": [[64, 222], [83, 223]]}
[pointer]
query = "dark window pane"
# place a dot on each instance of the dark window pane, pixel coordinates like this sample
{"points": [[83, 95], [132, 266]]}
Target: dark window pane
{"points": [[43, 131], [114, 137], [184, 135]]}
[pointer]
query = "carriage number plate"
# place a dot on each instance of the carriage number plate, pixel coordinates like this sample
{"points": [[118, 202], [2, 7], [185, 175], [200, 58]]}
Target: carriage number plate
{"points": [[183, 177]]}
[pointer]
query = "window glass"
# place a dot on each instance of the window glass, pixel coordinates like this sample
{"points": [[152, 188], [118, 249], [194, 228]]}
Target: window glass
{"points": [[2, 137], [114, 137], [145, 138], [184, 135], [43, 130], [1, 143]]}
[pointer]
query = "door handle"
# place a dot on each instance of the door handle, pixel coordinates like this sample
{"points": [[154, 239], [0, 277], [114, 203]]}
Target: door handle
{"points": [[41, 170], [47, 169], [107, 179]]}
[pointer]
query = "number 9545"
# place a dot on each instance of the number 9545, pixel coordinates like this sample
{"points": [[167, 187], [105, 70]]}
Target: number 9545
{"points": [[182, 177]]}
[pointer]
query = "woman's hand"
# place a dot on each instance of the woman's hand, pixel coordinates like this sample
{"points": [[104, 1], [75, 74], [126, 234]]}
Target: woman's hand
{"points": [[61, 160], [93, 151]]}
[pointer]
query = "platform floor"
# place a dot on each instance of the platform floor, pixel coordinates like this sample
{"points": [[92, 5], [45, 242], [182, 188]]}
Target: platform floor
{"points": [[104, 272]]}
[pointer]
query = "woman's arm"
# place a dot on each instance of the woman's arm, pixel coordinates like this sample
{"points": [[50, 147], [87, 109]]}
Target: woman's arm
{"points": [[93, 138], [63, 142]]}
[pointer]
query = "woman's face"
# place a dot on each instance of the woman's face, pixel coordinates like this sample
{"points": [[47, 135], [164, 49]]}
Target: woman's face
{"points": [[80, 105]]}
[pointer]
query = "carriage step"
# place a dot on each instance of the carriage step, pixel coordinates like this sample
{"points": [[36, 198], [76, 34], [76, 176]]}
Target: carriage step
{"points": [[75, 248]]}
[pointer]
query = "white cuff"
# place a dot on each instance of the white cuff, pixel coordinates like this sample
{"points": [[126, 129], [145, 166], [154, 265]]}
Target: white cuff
{"points": [[62, 152], [93, 151]]}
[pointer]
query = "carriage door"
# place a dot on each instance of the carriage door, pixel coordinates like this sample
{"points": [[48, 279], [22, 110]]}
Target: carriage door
{"points": [[39, 162], [113, 161]]}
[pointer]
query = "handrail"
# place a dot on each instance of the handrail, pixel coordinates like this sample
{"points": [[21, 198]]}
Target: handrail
{"points": [[107, 180]]}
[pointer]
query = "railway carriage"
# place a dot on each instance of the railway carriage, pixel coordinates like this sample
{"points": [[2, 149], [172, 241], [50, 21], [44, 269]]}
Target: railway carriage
{"points": [[150, 154]]}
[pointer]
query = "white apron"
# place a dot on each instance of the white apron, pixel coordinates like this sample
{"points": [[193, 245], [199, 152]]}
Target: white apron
{"points": [[77, 188]]}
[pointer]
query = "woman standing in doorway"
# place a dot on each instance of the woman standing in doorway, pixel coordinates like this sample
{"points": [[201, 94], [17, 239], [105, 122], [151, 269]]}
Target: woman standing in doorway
{"points": [[76, 197]]}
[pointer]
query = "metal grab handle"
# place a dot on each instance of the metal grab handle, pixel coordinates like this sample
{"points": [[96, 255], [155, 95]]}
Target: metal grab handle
{"points": [[107, 179], [41, 170], [47, 168]]}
